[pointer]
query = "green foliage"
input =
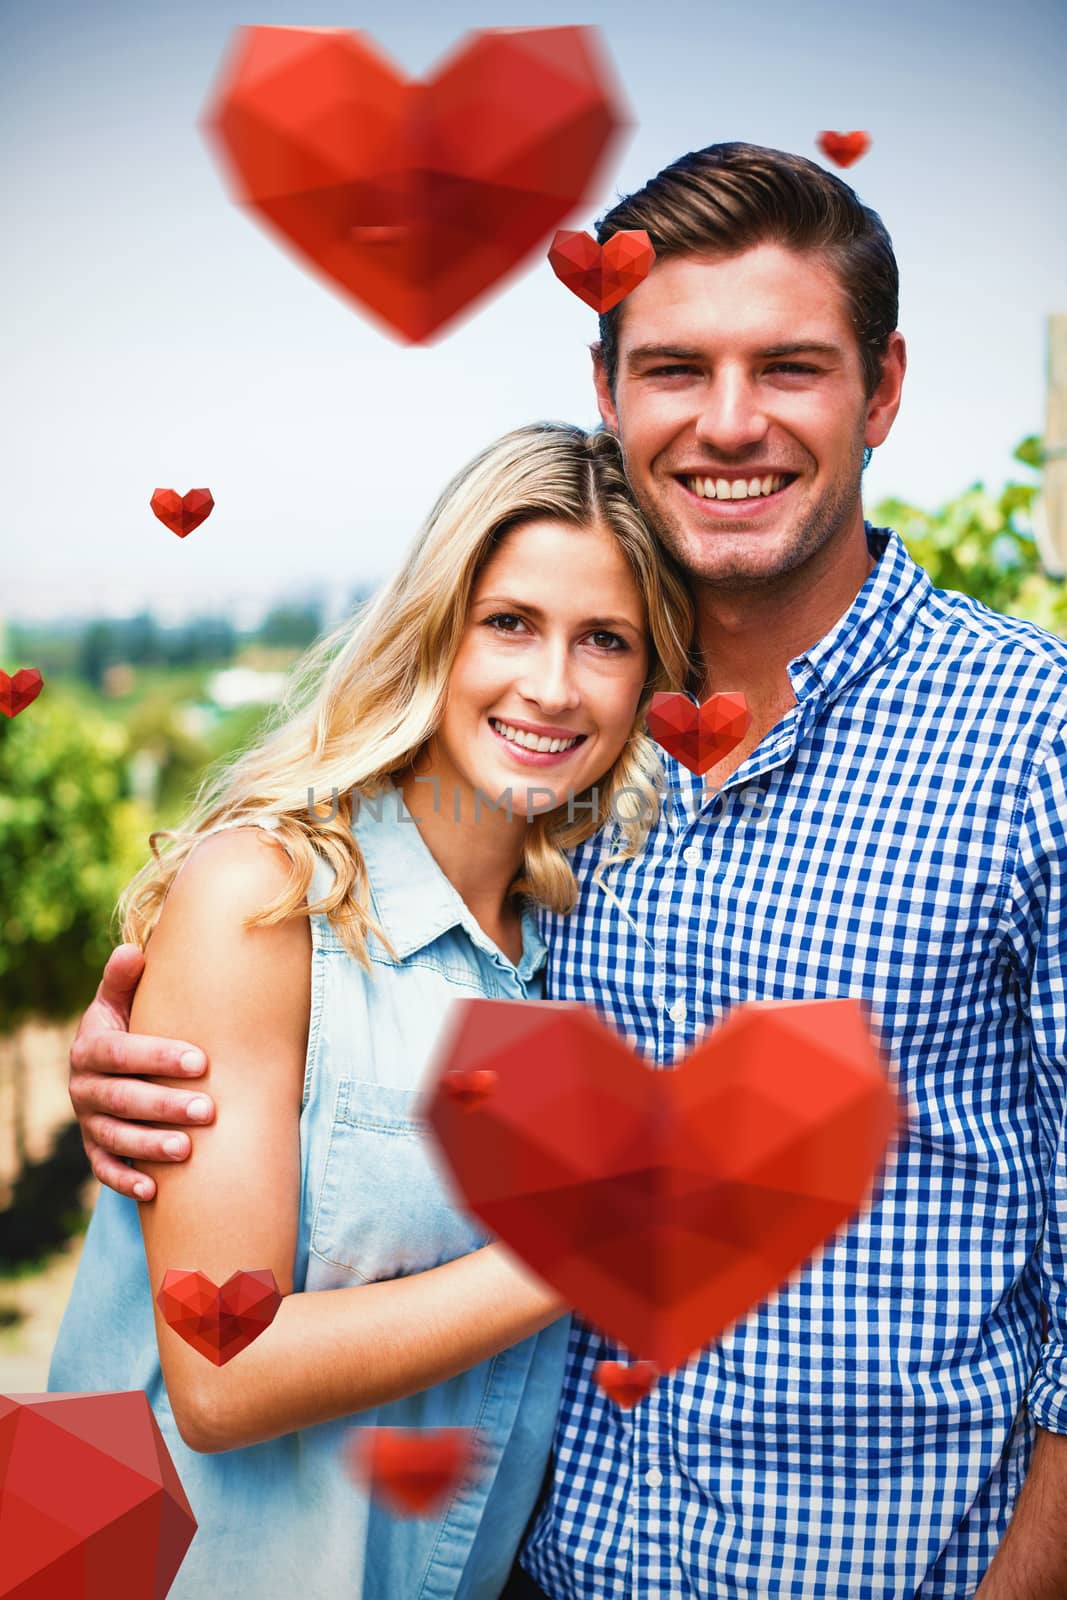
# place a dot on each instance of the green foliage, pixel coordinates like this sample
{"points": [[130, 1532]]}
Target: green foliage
{"points": [[980, 544], [70, 838]]}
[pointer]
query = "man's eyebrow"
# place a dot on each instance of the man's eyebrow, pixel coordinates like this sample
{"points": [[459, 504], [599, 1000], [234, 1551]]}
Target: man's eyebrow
{"points": [[535, 611], [677, 352]]}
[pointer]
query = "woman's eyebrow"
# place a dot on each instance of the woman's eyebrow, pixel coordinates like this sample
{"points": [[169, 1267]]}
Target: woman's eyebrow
{"points": [[535, 611]]}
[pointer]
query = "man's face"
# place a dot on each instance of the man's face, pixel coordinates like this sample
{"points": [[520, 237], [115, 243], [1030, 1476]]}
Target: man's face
{"points": [[706, 402]]}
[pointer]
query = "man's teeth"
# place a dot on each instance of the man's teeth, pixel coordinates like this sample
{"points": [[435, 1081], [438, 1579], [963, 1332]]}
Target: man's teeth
{"points": [[531, 741], [738, 489]]}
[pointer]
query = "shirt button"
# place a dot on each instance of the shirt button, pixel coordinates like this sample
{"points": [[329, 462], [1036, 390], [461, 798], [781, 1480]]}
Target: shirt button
{"points": [[677, 1011], [654, 1478], [692, 855]]}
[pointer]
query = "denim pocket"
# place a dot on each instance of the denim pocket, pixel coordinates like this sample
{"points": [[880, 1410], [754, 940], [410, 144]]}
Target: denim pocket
{"points": [[385, 1206]]}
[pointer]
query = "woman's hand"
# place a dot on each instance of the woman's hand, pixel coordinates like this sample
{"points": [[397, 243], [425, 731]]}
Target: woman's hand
{"points": [[107, 1067]]}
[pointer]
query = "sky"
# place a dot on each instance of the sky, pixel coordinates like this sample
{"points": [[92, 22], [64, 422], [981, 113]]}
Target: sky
{"points": [[153, 334]]}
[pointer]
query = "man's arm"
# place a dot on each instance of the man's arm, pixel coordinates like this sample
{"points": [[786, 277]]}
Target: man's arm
{"points": [[1031, 1563], [110, 1099]]}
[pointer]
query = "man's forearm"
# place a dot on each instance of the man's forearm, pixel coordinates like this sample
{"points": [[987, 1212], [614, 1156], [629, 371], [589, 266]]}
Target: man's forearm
{"points": [[1031, 1562]]}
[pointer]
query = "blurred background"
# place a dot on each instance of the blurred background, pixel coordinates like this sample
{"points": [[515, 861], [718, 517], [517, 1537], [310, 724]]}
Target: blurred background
{"points": [[154, 335]]}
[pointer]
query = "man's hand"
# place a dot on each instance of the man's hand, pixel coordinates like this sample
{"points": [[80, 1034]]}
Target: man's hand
{"points": [[109, 1100]]}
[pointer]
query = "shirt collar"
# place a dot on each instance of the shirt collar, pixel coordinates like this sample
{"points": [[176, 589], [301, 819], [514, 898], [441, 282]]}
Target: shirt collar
{"points": [[875, 624], [413, 899]]}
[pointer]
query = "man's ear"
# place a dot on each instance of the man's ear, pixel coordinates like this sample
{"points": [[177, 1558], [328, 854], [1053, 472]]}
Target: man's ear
{"points": [[885, 401], [605, 403]]}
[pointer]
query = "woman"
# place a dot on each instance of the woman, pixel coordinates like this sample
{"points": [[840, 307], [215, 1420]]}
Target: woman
{"points": [[314, 957]]}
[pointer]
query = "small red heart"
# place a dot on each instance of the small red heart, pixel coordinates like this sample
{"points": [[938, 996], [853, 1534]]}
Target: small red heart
{"points": [[663, 1205], [844, 148], [698, 736], [626, 1385], [181, 513], [415, 198], [219, 1323], [469, 1089], [410, 1470], [20, 691], [602, 275]]}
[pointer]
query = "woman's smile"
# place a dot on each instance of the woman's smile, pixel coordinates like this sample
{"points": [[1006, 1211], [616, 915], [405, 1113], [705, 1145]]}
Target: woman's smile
{"points": [[534, 750]]}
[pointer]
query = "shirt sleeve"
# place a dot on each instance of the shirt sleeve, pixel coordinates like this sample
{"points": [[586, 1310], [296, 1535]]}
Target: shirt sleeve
{"points": [[1037, 930]]}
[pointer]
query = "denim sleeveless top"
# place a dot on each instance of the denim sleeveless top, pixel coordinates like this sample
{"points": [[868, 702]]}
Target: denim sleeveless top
{"points": [[284, 1517]]}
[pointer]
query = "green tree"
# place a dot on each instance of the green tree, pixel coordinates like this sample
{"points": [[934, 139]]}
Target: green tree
{"points": [[980, 544], [69, 840]]}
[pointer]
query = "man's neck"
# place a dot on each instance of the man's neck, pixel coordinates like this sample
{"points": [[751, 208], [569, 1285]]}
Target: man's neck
{"points": [[747, 638]]}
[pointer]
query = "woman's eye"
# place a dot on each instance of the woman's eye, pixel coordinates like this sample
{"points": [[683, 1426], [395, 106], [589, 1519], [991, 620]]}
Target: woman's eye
{"points": [[502, 616], [603, 633]]}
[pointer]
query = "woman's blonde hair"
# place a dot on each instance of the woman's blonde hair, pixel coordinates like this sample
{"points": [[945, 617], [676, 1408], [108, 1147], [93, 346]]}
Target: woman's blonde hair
{"points": [[363, 701]]}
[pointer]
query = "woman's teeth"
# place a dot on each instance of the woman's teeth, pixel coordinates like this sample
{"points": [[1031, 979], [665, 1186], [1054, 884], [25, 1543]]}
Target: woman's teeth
{"points": [[738, 488], [531, 741]]}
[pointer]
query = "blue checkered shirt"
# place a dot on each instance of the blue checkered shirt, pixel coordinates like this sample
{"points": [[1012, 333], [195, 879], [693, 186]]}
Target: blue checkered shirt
{"points": [[901, 836]]}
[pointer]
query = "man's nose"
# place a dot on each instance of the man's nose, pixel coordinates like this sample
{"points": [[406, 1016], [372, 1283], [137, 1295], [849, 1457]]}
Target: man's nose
{"points": [[731, 415]]}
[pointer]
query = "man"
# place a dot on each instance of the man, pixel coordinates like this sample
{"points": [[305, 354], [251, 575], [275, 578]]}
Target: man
{"points": [[893, 827]]}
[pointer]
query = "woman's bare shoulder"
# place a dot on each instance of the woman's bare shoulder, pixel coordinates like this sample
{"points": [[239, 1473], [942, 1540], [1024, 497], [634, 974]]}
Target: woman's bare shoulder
{"points": [[204, 967]]}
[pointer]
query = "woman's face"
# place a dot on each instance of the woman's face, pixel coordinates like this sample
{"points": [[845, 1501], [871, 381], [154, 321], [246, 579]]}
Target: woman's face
{"points": [[555, 649]]}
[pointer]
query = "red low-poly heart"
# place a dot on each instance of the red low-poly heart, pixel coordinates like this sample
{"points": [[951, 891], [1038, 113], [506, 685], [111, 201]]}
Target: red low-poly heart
{"points": [[844, 148], [91, 1506], [181, 513], [20, 691], [626, 1385], [698, 736], [413, 1471], [469, 1089], [219, 1323], [415, 199], [602, 275], [664, 1204]]}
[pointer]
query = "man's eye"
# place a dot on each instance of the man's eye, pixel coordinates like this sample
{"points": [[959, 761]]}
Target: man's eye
{"points": [[792, 366], [658, 372]]}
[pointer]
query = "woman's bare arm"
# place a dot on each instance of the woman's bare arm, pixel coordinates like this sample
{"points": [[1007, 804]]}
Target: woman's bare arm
{"points": [[234, 1205]]}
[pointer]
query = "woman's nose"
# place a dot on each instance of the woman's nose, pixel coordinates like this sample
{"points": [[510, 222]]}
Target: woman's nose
{"points": [[550, 679]]}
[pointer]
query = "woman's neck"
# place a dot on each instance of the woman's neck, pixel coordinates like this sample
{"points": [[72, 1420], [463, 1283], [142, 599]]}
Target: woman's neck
{"points": [[479, 853]]}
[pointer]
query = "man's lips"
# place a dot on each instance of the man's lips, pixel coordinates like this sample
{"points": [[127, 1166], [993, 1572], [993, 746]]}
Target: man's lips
{"points": [[749, 506]]}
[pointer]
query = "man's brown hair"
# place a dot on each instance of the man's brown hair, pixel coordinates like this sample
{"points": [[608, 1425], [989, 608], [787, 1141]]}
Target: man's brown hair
{"points": [[731, 197]]}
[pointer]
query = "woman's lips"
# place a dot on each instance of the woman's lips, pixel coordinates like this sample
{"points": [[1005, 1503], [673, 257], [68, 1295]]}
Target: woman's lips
{"points": [[534, 758]]}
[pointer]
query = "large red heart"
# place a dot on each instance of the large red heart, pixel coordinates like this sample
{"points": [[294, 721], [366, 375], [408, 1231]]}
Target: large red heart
{"points": [[20, 691], [219, 1323], [698, 736], [91, 1506], [602, 275], [844, 148], [181, 513], [415, 198], [664, 1205], [412, 1470]]}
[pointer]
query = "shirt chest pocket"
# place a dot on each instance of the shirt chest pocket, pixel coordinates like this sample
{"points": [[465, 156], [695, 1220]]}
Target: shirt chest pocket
{"points": [[384, 1208]]}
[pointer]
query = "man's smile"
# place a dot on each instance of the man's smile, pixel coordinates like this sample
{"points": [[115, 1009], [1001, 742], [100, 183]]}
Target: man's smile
{"points": [[735, 495]]}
